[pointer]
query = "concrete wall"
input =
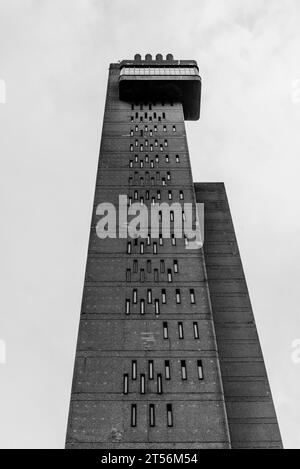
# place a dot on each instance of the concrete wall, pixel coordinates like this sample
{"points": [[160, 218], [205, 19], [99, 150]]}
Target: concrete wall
{"points": [[250, 410]]}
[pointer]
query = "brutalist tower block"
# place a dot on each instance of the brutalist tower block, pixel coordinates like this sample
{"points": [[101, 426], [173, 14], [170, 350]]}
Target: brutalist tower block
{"points": [[168, 354]]}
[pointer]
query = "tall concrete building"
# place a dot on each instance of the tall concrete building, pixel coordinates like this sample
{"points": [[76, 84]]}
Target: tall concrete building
{"points": [[168, 354]]}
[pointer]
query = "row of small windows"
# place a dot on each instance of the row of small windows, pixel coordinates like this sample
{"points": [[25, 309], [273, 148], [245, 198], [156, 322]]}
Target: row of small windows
{"points": [[143, 276], [142, 117], [141, 161], [169, 411], [180, 330], [147, 180], [141, 106], [146, 145], [142, 199], [141, 249], [156, 301], [146, 130], [183, 371], [167, 371]]}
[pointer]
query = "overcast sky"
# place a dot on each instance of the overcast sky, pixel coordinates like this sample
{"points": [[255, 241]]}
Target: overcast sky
{"points": [[54, 57]]}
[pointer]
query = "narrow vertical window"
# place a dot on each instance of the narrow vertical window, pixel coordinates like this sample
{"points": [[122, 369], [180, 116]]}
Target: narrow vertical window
{"points": [[169, 275], [133, 415], [156, 278], [152, 415], [142, 248], [129, 247], [200, 370], [149, 296], [154, 248], [163, 297], [166, 143], [161, 240], [134, 369], [130, 164], [170, 195], [128, 275], [131, 133], [142, 307], [151, 369], [136, 128], [175, 264], [127, 307], [158, 195], [156, 159], [167, 158], [165, 128], [181, 195], [131, 147], [177, 159], [174, 128], [162, 266], [180, 330], [178, 297], [135, 266], [142, 384], [135, 296], [169, 415], [163, 180], [149, 266], [125, 384], [161, 148], [157, 309], [183, 370], [159, 384], [155, 143], [173, 240], [142, 275], [171, 216], [136, 143], [167, 370], [165, 330], [192, 296], [168, 176], [196, 330]]}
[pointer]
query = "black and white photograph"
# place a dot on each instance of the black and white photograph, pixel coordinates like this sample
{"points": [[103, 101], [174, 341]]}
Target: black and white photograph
{"points": [[150, 235]]}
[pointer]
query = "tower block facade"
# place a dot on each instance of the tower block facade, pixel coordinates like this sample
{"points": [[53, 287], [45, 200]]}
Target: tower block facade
{"points": [[148, 370]]}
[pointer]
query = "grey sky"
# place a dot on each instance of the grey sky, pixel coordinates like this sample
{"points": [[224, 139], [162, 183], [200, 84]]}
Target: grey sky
{"points": [[54, 60]]}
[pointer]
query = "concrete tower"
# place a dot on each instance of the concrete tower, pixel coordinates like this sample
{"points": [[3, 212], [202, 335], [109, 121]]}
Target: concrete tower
{"points": [[168, 354]]}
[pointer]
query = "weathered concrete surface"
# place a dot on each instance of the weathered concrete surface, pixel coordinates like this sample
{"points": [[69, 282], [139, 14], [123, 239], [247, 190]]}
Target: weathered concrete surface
{"points": [[250, 410]]}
